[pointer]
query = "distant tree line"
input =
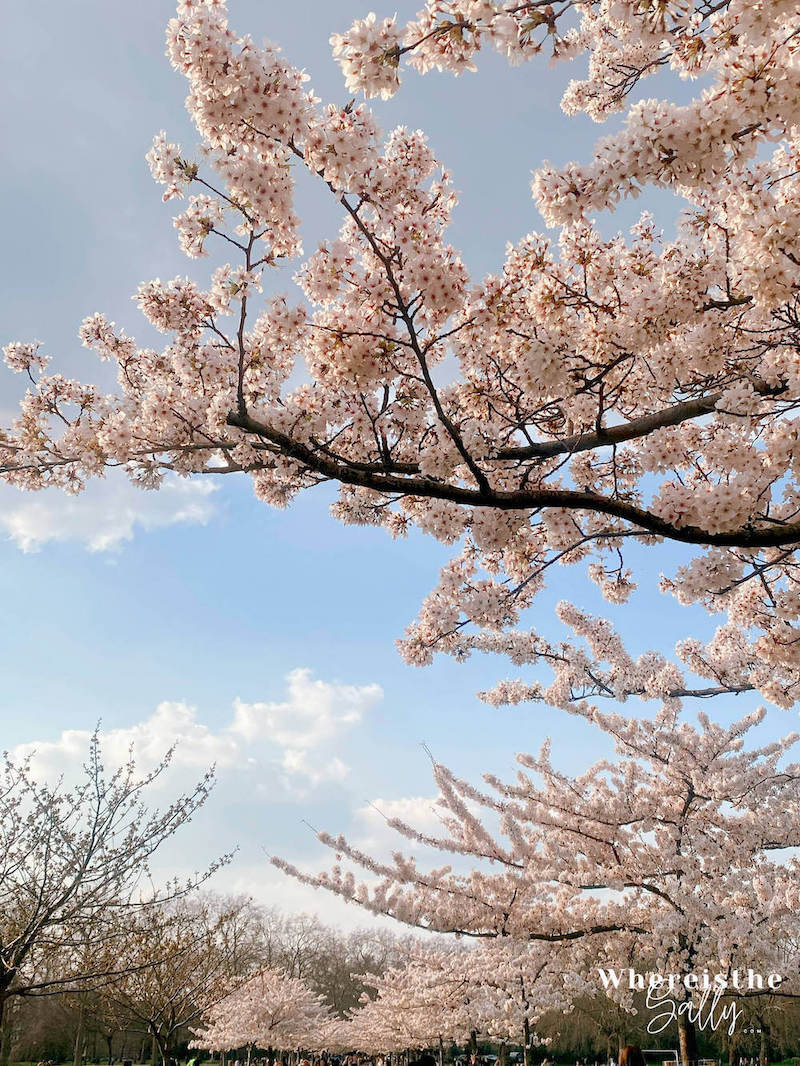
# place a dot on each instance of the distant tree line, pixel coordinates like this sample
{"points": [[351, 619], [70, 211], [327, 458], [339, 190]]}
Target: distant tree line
{"points": [[179, 966]]}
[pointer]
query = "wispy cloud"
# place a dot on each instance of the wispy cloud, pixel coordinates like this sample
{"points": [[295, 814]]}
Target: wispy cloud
{"points": [[105, 515]]}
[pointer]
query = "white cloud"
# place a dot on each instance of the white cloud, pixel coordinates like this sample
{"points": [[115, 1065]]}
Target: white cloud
{"points": [[314, 712], [296, 762], [259, 735], [105, 515]]}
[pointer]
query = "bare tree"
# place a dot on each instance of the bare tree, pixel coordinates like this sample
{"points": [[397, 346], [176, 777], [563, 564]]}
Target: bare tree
{"points": [[178, 962], [72, 858]]}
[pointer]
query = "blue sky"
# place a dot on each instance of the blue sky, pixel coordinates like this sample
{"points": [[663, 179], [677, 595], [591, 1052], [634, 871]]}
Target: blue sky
{"points": [[119, 601]]}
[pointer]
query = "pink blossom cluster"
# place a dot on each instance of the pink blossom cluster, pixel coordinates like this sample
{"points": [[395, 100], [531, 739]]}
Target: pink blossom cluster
{"points": [[592, 393], [445, 35], [268, 1009], [498, 990], [678, 851]]}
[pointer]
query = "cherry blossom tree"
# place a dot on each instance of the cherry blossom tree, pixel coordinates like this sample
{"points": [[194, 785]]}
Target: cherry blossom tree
{"points": [[268, 1010], [596, 394], [499, 990], [418, 1005], [678, 855], [72, 860]]}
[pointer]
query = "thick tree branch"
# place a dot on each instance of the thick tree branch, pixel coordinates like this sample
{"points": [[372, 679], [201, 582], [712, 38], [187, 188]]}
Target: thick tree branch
{"points": [[520, 500]]}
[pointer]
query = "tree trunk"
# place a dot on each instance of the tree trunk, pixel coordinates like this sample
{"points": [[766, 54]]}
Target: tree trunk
{"points": [[473, 1047], [526, 1042], [110, 1042], [5, 1029], [732, 1042], [161, 1042], [764, 1049], [77, 1056], [687, 1041], [441, 1051]]}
